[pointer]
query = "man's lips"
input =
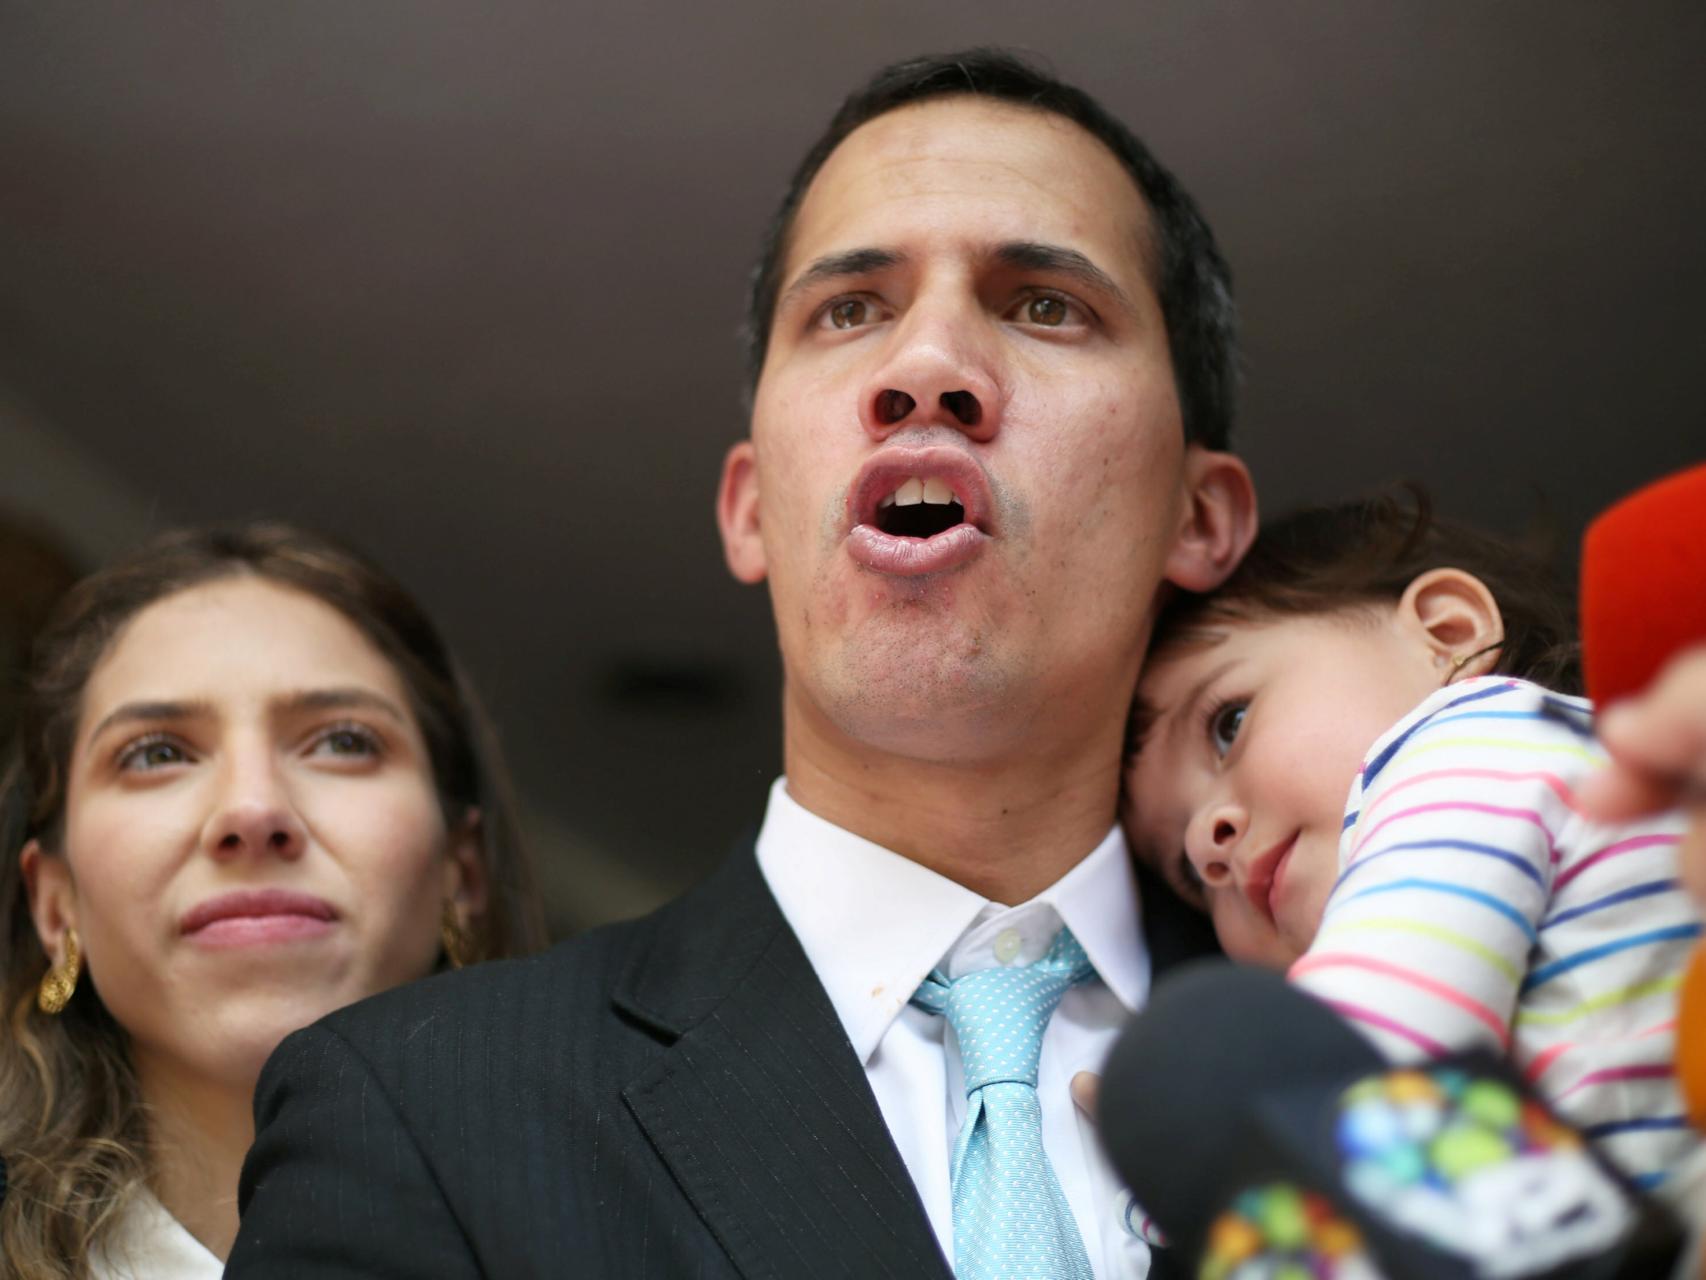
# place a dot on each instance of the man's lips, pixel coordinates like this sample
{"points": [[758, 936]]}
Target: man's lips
{"points": [[257, 915], [1265, 885], [906, 556]]}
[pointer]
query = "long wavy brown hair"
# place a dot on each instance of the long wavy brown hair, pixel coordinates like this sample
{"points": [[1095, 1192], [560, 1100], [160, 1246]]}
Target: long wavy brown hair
{"points": [[74, 1130]]}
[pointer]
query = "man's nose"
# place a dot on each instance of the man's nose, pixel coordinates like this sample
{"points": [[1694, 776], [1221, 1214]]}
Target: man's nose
{"points": [[1212, 840], [940, 371], [253, 813]]}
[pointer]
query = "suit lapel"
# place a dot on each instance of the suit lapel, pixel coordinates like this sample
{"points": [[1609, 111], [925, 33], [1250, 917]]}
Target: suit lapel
{"points": [[759, 1107]]}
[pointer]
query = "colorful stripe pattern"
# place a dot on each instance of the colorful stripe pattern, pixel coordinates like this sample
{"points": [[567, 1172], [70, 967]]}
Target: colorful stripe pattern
{"points": [[1476, 906]]}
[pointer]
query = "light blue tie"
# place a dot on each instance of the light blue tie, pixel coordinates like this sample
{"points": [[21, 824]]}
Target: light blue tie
{"points": [[1011, 1219]]}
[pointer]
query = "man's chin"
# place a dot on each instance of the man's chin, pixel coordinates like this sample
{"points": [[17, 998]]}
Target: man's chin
{"points": [[925, 702]]}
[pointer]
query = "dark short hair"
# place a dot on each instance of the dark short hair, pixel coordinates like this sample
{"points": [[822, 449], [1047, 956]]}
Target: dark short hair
{"points": [[1328, 559], [1190, 276]]}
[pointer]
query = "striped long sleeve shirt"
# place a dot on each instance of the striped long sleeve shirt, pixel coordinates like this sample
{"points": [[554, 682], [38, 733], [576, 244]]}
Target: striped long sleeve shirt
{"points": [[1476, 906]]}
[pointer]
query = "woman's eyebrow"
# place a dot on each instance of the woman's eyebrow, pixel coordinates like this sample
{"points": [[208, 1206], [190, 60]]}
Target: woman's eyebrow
{"points": [[839, 266], [341, 698], [132, 712]]}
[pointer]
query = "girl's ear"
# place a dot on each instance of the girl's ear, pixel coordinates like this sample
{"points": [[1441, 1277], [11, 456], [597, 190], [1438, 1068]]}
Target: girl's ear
{"points": [[1219, 520], [52, 895], [1454, 614]]}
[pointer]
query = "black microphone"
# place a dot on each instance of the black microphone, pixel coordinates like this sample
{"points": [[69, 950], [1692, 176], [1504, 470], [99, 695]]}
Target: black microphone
{"points": [[1266, 1138]]}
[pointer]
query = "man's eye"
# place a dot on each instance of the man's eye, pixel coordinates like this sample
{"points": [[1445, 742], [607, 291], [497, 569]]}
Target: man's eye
{"points": [[151, 753], [850, 313], [1047, 311], [1224, 724]]}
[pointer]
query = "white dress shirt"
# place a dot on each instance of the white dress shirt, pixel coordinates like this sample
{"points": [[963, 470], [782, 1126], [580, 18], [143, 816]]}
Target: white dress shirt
{"points": [[874, 924], [148, 1243]]}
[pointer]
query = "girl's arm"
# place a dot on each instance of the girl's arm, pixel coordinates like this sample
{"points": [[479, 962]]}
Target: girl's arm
{"points": [[1470, 881]]}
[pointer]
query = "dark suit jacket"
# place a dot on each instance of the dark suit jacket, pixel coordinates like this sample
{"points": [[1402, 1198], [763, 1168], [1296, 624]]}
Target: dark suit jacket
{"points": [[669, 1097]]}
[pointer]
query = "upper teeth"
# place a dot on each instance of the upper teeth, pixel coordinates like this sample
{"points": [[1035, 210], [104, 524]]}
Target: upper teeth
{"points": [[915, 491]]}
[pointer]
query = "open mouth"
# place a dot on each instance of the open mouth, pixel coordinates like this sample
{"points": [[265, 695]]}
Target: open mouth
{"points": [[914, 512], [919, 509]]}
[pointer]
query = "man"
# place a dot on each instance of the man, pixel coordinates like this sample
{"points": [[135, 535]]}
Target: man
{"points": [[991, 350]]}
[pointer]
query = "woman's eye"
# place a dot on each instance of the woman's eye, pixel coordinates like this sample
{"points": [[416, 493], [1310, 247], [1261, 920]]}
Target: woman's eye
{"points": [[151, 753], [1224, 724], [347, 741], [850, 313]]}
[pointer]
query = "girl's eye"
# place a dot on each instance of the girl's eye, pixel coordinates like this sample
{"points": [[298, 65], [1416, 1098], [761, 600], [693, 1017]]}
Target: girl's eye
{"points": [[849, 313], [347, 740], [1224, 724], [150, 753]]}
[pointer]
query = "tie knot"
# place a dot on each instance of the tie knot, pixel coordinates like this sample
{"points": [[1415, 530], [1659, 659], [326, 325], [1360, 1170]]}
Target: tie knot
{"points": [[999, 1015]]}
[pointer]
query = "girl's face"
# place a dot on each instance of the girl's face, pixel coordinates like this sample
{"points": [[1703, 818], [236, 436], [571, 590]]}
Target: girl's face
{"points": [[1237, 794], [252, 833]]}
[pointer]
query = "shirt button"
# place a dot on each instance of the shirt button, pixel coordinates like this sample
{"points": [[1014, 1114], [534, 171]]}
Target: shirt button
{"points": [[1007, 944]]}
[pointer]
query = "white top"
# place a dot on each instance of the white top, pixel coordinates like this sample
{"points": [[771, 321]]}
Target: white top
{"points": [[874, 924], [150, 1244]]}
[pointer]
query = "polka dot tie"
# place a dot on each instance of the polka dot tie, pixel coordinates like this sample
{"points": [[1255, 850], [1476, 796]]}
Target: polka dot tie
{"points": [[1011, 1219]]}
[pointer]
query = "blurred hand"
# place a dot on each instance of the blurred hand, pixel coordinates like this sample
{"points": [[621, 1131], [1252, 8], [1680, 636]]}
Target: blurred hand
{"points": [[1657, 743], [1086, 1087]]}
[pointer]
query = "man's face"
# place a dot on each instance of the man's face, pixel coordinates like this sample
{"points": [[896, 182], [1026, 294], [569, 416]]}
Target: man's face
{"points": [[967, 469]]}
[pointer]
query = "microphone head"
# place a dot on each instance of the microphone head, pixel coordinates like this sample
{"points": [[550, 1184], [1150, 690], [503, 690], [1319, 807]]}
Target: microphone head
{"points": [[1177, 1109], [1643, 589], [1255, 1127]]}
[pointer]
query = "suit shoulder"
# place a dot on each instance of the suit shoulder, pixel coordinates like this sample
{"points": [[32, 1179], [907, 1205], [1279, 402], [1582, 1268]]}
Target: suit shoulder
{"points": [[577, 975]]}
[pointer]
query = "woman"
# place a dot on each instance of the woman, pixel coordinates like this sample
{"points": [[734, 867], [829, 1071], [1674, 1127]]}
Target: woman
{"points": [[250, 787]]}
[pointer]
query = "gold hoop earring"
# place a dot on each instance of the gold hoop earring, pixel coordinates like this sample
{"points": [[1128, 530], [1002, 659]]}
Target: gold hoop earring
{"points": [[59, 983], [458, 946], [1457, 664]]}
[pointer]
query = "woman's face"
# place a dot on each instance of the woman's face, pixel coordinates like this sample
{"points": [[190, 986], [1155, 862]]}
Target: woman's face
{"points": [[252, 834]]}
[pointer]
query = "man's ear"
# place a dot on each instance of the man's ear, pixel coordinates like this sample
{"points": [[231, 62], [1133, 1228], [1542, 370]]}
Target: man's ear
{"points": [[1453, 613], [52, 895], [737, 515], [1219, 521]]}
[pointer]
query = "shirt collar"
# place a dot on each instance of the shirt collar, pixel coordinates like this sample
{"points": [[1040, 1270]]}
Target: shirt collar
{"points": [[874, 924]]}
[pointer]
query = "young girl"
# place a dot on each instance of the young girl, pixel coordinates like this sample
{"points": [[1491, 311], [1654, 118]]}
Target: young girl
{"points": [[1459, 896]]}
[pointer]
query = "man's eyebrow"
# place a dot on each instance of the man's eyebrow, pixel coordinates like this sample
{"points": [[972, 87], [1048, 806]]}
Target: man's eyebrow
{"points": [[838, 266], [132, 712], [1032, 255], [344, 698]]}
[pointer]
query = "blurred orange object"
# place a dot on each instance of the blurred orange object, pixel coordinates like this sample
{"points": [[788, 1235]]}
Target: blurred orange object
{"points": [[1691, 1039]]}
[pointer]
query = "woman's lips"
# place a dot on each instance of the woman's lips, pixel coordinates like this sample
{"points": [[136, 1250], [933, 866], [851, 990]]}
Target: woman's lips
{"points": [[1265, 886], [250, 917]]}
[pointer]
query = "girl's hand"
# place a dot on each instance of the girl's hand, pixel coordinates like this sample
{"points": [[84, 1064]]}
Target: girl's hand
{"points": [[1657, 743], [1086, 1087]]}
